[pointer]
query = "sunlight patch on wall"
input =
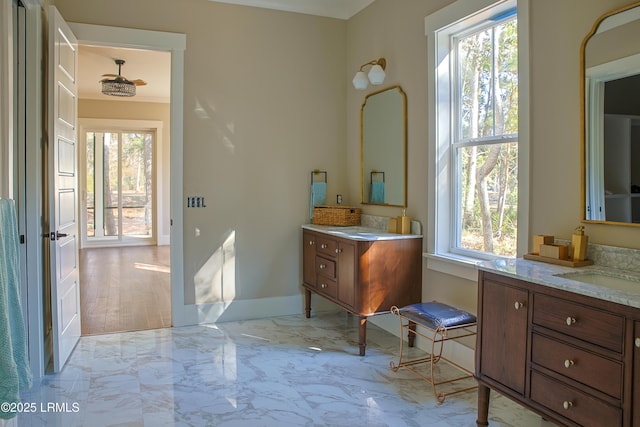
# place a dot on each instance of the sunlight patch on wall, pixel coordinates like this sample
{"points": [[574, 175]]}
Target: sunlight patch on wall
{"points": [[216, 279]]}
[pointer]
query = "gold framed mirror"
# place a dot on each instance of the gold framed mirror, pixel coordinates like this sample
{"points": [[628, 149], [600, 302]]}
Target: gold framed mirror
{"points": [[609, 72], [383, 148]]}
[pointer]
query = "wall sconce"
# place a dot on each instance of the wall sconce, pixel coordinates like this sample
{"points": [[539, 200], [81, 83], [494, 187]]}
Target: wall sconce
{"points": [[376, 74]]}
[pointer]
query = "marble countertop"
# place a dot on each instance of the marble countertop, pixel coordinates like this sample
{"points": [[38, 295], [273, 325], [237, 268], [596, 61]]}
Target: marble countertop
{"points": [[548, 275], [359, 233]]}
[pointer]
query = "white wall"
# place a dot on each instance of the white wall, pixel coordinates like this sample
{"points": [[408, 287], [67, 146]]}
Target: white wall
{"points": [[6, 89]]}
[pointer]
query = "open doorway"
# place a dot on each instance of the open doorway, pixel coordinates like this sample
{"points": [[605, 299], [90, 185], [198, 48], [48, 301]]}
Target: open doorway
{"points": [[124, 159]]}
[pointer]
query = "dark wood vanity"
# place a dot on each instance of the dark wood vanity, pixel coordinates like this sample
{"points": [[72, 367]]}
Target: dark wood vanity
{"points": [[364, 277], [571, 358]]}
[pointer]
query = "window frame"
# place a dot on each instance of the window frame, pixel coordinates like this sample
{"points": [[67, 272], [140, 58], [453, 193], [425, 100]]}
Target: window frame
{"points": [[456, 19]]}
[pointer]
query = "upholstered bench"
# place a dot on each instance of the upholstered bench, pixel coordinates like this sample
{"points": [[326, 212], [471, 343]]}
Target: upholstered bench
{"points": [[437, 323]]}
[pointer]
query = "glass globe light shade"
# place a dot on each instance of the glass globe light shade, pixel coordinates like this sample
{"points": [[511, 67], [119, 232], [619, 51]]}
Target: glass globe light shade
{"points": [[360, 81], [376, 75]]}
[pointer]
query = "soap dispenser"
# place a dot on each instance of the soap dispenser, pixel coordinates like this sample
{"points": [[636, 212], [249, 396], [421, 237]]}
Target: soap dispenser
{"points": [[404, 223], [579, 243]]}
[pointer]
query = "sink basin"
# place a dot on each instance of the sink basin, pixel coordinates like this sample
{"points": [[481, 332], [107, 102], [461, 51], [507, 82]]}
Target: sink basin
{"points": [[606, 279]]}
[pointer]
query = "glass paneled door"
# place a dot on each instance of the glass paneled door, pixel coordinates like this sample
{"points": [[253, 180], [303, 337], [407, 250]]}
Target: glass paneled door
{"points": [[119, 187]]}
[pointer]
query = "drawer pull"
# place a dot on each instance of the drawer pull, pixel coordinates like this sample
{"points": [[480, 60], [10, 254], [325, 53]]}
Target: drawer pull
{"points": [[568, 363], [571, 321], [323, 266], [338, 250], [567, 404], [324, 246], [638, 342], [518, 305], [310, 242], [324, 286]]}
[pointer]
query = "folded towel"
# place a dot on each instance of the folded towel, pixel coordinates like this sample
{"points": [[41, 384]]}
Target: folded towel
{"points": [[377, 192], [15, 374], [318, 196]]}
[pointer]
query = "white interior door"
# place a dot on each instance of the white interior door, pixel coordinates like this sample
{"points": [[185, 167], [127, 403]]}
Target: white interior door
{"points": [[63, 188]]}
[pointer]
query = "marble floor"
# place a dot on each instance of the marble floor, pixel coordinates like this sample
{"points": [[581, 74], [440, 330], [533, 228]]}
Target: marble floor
{"points": [[283, 371]]}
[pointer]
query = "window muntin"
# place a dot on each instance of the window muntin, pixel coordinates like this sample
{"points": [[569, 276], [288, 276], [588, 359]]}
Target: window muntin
{"points": [[484, 148]]}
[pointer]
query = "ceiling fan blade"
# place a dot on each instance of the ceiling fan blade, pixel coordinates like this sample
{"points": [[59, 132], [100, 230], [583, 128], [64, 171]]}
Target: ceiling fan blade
{"points": [[139, 82]]}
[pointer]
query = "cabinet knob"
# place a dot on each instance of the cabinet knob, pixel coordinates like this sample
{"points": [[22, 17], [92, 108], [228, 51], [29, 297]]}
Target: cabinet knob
{"points": [[638, 342], [571, 321], [310, 242], [324, 286], [323, 266], [567, 404], [338, 250], [324, 246], [518, 305], [568, 363]]}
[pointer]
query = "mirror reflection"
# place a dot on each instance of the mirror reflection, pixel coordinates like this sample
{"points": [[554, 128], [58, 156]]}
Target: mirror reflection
{"points": [[383, 121], [611, 70]]}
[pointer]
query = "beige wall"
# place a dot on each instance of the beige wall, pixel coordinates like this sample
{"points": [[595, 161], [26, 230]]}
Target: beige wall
{"points": [[264, 104], [131, 110], [557, 30], [268, 98]]}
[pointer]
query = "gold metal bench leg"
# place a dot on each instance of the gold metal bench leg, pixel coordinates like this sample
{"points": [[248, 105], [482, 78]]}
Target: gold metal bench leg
{"points": [[439, 336]]}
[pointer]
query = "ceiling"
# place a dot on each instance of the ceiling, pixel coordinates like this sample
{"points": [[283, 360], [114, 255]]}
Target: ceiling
{"points": [[155, 67], [341, 9]]}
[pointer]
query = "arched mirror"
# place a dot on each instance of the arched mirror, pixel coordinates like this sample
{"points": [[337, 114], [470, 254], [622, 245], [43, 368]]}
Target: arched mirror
{"points": [[383, 148], [610, 73]]}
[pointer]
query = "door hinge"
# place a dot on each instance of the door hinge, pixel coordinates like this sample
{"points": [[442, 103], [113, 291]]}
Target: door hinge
{"points": [[22, 239]]}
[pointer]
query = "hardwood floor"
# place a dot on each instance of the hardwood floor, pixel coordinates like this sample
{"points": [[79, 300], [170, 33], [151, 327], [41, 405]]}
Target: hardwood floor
{"points": [[125, 289]]}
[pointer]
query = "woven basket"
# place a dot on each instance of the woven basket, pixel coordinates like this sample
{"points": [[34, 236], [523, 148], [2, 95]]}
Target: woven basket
{"points": [[336, 215]]}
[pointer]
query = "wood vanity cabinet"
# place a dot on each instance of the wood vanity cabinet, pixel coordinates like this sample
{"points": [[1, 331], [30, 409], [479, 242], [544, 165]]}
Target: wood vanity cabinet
{"points": [[363, 277], [569, 357], [505, 348]]}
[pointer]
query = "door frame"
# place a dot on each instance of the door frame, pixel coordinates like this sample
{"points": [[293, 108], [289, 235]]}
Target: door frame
{"points": [[103, 36], [98, 35]]}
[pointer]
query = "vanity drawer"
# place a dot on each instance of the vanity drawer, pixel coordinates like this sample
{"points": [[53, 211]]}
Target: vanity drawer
{"points": [[326, 267], [588, 324], [587, 368], [570, 403], [327, 246], [328, 287]]}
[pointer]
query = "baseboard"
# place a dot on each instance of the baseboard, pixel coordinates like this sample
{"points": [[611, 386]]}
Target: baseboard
{"points": [[252, 309], [164, 240]]}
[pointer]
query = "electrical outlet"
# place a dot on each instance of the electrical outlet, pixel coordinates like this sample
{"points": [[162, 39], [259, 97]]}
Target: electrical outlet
{"points": [[195, 202]]}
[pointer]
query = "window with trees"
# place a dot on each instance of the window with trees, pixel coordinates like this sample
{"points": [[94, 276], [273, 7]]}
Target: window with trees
{"points": [[476, 139], [119, 184]]}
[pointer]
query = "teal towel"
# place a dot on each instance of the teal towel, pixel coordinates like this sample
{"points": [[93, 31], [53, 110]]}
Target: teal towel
{"points": [[15, 374], [377, 192], [318, 196]]}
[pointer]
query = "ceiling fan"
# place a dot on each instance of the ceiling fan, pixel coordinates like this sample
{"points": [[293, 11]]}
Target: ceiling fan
{"points": [[119, 85]]}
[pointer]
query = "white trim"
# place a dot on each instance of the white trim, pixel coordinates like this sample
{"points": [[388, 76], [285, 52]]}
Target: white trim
{"points": [[33, 186], [524, 129], [595, 79], [453, 264], [98, 35], [451, 18], [229, 311]]}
